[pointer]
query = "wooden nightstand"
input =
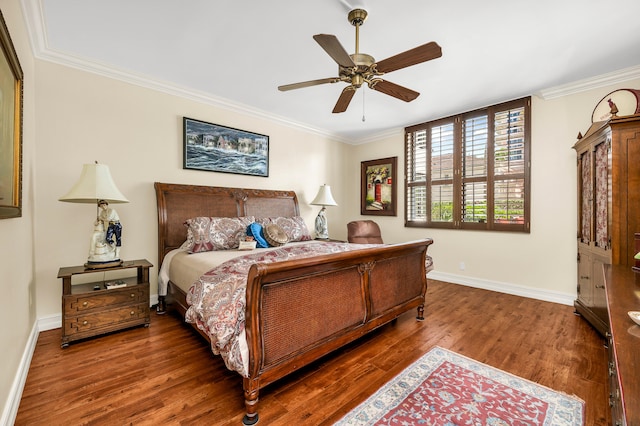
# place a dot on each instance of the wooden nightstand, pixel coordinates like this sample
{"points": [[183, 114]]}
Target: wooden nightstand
{"points": [[90, 309]]}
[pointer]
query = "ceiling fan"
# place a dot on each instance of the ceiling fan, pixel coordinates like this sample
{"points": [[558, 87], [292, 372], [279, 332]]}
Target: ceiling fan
{"points": [[361, 68]]}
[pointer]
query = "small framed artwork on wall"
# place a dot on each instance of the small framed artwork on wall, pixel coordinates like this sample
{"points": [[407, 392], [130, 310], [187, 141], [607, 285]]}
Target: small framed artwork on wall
{"points": [[378, 187], [216, 148]]}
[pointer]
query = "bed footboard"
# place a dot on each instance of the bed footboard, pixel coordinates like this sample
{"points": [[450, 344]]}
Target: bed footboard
{"points": [[300, 310]]}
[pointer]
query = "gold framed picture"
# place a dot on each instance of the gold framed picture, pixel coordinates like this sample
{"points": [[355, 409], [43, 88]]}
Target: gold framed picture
{"points": [[11, 82]]}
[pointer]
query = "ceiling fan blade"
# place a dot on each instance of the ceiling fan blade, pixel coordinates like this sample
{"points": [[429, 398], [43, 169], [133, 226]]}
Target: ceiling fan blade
{"points": [[332, 46], [302, 84], [344, 99], [414, 56], [392, 89]]}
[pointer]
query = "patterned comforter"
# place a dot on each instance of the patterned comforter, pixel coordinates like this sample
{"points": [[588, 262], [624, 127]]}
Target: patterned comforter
{"points": [[217, 300]]}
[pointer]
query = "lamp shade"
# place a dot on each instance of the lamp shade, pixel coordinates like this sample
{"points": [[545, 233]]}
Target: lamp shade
{"points": [[95, 184], [324, 197]]}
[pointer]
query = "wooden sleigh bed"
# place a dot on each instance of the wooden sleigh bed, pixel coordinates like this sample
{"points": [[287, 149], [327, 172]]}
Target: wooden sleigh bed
{"points": [[296, 310]]}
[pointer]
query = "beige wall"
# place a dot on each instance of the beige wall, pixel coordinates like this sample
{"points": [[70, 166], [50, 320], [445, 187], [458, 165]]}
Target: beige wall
{"points": [[542, 263], [17, 261], [137, 132]]}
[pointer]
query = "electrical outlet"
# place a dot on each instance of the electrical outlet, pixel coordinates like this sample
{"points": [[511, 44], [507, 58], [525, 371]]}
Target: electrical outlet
{"points": [[462, 266]]}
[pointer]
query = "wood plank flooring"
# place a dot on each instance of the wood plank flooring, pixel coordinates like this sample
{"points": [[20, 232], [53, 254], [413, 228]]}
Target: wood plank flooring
{"points": [[166, 374]]}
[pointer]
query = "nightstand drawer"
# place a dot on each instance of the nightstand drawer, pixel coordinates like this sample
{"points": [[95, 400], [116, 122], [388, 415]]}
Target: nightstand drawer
{"points": [[88, 322], [105, 299]]}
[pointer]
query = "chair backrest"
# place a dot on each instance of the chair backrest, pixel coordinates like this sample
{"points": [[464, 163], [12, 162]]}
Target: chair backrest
{"points": [[364, 232]]}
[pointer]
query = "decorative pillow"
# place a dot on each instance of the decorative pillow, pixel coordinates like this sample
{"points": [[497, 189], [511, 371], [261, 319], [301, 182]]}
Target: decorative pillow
{"points": [[275, 235], [215, 233], [255, 230], [294, 227]]}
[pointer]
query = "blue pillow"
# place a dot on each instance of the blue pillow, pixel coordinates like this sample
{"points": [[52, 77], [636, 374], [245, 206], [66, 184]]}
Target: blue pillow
{"points": [[255, 230]]}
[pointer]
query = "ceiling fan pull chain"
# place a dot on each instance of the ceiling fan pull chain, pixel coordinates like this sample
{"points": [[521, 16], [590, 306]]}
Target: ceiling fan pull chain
{"points": [[363, 119]]}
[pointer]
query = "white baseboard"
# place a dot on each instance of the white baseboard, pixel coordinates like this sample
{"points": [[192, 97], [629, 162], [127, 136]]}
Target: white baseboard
{"points": [[10, 410], [517, 290]]}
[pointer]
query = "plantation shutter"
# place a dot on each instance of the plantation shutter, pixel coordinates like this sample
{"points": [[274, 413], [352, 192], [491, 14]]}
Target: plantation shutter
{"points": [[470, 171]]}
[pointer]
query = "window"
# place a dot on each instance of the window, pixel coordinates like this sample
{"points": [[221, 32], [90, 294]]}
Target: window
{"points": [[470, 171]]}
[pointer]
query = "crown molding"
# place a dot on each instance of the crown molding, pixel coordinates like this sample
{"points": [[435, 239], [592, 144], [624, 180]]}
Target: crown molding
{"points": [[608, 79], [175, 90], [36, 28]]}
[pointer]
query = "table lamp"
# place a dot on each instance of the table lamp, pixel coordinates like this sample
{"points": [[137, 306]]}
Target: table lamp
{"points": [[96, 186], [324, 198]]}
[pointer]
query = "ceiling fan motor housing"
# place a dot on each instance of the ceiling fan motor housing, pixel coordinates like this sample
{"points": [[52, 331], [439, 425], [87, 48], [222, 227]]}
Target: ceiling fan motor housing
{"points": [[361, 73]]}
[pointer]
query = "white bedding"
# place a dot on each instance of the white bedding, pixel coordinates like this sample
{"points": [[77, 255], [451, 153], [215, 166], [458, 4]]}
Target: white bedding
{"points": [[184, 269]]}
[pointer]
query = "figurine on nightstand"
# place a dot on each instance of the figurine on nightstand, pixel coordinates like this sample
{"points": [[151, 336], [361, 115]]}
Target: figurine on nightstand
{"points": [[103, 250], [111, 221]]}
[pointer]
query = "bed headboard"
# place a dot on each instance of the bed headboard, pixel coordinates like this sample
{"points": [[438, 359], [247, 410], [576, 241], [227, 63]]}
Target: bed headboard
{"points": [[177, 203]]}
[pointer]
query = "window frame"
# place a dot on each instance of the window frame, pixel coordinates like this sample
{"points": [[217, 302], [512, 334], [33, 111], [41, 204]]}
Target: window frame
{"points": [[459, 178]]}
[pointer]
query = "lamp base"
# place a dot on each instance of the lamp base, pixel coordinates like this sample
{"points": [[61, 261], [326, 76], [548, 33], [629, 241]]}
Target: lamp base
{"points": [[101, 265], [322, 228]]}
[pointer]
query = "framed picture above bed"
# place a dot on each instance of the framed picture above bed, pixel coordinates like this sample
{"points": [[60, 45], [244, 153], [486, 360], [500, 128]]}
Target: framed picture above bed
{"points": [[378, 187], [215, 148]]}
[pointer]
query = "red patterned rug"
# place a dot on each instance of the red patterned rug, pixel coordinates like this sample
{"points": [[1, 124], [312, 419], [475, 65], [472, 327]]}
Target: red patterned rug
{"points": [[444, 388]]}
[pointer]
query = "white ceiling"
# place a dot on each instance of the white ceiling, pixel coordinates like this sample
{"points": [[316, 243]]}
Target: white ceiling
{"points": [[236, 53]]}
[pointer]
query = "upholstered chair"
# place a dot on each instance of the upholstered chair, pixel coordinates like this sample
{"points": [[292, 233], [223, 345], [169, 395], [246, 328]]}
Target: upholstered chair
{"points": [[364, 232]]}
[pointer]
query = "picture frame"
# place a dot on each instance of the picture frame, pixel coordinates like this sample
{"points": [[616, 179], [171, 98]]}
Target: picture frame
{"points": [[215, 148], [378, 187], [11, 86]]}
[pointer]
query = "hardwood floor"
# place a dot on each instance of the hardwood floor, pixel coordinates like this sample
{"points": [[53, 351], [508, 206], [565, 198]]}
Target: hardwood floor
{"points": [[166, 374]]}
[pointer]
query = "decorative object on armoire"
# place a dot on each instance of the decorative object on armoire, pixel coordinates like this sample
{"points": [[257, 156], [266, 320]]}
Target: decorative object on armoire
{"points": [[97, 186], [616, 104], [324, 198], [11, 135], [378, 187], [608, 190]]}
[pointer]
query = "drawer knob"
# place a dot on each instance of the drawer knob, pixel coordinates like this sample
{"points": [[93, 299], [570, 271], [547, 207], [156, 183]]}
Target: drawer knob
{"points": [[132, 313], [85, 322], [133, 295], [85, 303]]}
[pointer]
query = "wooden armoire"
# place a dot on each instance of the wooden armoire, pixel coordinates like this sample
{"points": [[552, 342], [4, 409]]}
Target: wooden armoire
{"points": [[608, 209]]}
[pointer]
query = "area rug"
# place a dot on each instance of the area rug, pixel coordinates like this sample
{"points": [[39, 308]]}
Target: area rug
{"points": [[445, 388]]}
